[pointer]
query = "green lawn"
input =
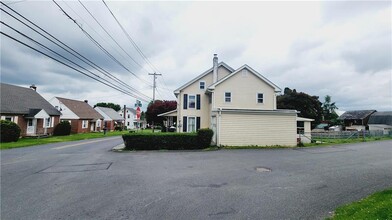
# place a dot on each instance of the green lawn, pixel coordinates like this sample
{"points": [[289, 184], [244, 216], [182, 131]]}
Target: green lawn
{"points": [[332, 141], [376, 206], [25, 142]]}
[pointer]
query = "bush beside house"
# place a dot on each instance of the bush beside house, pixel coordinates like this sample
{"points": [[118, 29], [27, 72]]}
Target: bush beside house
{"points": [[168, 141], [10, 132], [62, 129]]}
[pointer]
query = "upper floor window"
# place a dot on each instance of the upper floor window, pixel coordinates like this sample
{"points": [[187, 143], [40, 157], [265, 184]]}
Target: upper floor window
{"points": [[260, 98], [129, 116], [227, 96], [192, 101], [202, 85]]}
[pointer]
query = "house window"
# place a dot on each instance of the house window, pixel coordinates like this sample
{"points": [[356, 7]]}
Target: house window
{"points": [[300, 127], [129, 116], [202, 85], [227, 96], [192, 101], [84, 124], [260, 97], [128, 123], [98, 123], [8, 118], [47, 124], [191, 124], [30, 122]]}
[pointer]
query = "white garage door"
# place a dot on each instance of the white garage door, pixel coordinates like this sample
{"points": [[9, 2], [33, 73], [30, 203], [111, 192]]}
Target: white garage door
{"points": [[240, 129]]}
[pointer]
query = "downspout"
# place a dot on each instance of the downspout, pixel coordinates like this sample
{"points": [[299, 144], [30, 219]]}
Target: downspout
{"points": [[218, 127]]}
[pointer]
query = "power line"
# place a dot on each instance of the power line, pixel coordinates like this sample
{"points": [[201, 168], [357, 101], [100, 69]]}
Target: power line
{"points": [[85, 60], [97, 43], [130, 39], [20, 42], [111, 36]]}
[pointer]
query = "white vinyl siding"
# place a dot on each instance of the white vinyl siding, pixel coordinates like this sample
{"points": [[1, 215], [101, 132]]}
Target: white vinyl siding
{"points": [[239, 129]]}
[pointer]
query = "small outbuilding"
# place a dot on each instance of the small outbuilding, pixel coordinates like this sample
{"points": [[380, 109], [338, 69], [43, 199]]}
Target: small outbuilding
{"points": [[356, 120], [381, 121]]}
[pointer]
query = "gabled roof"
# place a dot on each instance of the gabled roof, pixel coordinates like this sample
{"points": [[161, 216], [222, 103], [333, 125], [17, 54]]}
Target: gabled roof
{"points": [[276, 88], [129, 109], [82, 109], [169, 113], [384, 118], [177, 91], [111, 113], [19, 100], [355, 115]]}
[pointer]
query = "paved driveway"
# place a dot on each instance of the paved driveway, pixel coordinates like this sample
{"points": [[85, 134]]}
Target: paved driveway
{"points": [[85, 180]]}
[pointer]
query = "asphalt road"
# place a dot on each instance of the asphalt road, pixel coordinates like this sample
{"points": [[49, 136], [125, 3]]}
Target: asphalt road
{"points": [[85, 180]]}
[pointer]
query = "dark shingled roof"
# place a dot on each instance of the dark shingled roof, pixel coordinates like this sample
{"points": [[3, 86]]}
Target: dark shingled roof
{"points": [[384, 118], [20, 100], [355, 115], [82, 109]]}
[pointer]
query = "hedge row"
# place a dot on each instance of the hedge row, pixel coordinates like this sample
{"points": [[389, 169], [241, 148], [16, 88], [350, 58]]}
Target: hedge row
{"points": [[168, 141]]}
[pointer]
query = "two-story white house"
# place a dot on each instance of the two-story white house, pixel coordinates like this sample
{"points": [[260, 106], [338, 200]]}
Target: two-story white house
{"points": [[238, 105]]}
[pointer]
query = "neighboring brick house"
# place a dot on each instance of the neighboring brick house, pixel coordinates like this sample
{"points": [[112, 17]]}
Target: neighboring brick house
{"points": [[111, 118], [27, 108], [80, 114], [238, 105]]}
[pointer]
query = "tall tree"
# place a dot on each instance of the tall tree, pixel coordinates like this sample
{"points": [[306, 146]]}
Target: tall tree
{"points": [[308, 106], [159, 107], [116, 107], [329, 108]]}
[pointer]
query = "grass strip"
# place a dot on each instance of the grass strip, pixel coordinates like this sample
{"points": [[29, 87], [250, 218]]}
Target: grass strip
{"points": [[376, 206]]}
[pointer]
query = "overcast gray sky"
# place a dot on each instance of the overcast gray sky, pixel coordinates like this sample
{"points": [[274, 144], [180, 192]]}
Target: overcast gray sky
{"points": [[341, 49]]}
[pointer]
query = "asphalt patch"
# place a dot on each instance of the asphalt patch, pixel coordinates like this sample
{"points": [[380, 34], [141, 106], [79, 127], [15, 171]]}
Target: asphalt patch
{"points": [[77, 168]]}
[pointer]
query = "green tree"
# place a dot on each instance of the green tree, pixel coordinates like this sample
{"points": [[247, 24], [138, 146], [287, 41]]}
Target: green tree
{"points": [[116, 107], [308, 106], [329, 113], [159, 107]]}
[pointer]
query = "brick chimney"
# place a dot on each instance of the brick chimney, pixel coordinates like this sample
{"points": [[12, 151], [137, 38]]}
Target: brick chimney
{"points": [[86, 101], [215, 68], [33, 87]]}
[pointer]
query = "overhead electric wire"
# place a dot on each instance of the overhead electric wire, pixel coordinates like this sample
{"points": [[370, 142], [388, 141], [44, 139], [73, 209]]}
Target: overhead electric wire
{"points": [[111, 36], [65, 64], [97, 43], [131, 40], [90, 63], [48, 49]]}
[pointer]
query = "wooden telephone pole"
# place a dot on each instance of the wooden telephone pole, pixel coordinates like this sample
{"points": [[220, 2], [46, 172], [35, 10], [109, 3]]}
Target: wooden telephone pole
{"points": [[153, 91]]}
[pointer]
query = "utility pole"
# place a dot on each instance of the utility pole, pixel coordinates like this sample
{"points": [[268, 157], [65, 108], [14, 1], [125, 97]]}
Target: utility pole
{"points": [[153, 91]]}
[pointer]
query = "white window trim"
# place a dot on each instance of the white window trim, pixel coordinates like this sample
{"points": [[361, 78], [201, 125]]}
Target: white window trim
{"points": [[85, 123], [189, 101], [204, 84], [187, 124], [257, 98], [224, 97]]}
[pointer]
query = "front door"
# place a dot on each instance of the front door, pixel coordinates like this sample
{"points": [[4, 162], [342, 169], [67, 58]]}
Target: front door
{"points": [[31, 126]]}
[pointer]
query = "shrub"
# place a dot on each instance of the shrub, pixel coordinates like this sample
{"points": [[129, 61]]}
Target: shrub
{"points": [[168, 141], [62, 129], [9, 131], [204, 137], [118, 128]]}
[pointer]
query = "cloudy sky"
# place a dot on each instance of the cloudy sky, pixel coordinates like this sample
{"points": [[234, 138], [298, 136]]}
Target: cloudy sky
{"points": [[341, 49]]}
